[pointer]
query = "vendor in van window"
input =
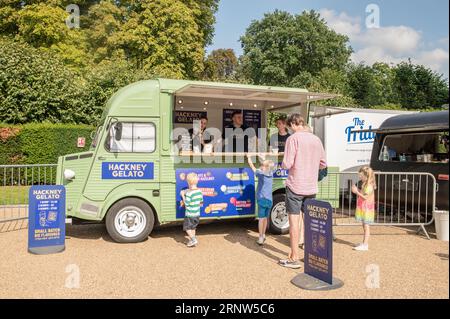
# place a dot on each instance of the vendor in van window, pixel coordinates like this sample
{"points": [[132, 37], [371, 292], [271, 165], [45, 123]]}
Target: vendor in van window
{"points": [[278, 140], [238, 140], [198, 136]]}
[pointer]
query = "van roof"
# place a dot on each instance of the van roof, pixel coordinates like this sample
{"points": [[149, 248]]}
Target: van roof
{"points": [[423, 121]]}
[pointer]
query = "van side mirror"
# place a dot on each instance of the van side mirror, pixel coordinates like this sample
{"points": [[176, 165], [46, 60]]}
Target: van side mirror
{"points": [[118, 131]]}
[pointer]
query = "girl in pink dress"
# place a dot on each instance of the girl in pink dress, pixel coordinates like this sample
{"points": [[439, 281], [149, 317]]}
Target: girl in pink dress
{"points": [[365, 204]]}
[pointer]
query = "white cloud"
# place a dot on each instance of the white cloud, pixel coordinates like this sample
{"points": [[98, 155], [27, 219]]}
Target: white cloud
{"points": [[444, 42], [394, 39], [370, 55], [342, 23], [389, 44], [436, 59]]}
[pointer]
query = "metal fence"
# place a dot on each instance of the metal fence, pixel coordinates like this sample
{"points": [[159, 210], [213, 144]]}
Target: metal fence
{"points": [[401, 199], [15, 181]]}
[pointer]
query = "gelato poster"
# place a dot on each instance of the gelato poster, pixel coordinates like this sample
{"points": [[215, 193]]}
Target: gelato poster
{"points": [[318, 240], [226, 191], [46, 218]]}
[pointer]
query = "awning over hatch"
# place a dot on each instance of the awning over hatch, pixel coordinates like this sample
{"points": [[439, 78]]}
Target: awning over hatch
{"points": [[275, 97]]}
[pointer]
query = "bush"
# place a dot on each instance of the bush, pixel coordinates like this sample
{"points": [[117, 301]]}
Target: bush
{"points": [[36, 86], [40, 143]]}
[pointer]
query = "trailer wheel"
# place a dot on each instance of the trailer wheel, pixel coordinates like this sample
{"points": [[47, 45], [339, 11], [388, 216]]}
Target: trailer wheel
{"points": [[278, 219], [130, 220]]}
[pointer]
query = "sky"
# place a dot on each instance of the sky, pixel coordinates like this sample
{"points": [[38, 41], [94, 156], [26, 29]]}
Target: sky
{"points": [[415, 29]]}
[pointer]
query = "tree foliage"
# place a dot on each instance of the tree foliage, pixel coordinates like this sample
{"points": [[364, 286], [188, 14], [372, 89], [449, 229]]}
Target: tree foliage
{"points": [[285, 49], [36, 86], [167, 37], [221, 65], [303, 51], [52, 73], [162, 35], [418, 87]]}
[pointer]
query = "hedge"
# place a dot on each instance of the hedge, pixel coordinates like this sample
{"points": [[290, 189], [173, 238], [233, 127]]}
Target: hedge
{"points": [[40, 143]]}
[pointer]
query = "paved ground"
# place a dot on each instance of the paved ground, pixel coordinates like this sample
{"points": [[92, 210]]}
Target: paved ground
{"points": [[226, 264]]}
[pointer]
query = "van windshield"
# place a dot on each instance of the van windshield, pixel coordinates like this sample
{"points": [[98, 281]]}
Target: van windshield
{"points": [[416, 147]]}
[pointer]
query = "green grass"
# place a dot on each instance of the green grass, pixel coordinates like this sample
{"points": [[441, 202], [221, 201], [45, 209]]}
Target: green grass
{"points": [[14, 195]]}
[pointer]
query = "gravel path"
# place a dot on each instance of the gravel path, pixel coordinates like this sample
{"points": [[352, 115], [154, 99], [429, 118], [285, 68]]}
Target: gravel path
{"points": [[226, 264]]}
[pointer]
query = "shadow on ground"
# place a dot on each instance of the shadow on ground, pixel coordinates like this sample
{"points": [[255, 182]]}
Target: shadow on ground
{"points": [[6, 227], [442, 256]]}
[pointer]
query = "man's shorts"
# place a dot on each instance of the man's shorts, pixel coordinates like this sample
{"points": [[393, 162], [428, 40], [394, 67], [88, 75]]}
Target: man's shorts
{"points": [[264, 207], [190, 223], [294, 202]]}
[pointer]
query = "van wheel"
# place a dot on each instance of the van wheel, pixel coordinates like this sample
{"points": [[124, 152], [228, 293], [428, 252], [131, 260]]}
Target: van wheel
{"points": [[130, 220], [278, 219]]}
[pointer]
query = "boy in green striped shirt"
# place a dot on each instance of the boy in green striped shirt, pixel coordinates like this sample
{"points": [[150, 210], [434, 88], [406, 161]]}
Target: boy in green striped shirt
{"points": [[193, 200]]}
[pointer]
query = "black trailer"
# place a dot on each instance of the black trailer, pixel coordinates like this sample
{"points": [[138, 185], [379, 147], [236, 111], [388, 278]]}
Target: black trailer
{"points": [[413, 143]]}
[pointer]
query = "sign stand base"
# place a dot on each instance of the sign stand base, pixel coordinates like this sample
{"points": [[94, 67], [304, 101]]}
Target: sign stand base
{"points": [[308, 282], [46, 250]]}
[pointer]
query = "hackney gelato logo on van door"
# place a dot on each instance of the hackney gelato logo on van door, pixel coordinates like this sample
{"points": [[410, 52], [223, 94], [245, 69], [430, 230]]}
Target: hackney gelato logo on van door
{"points": [[355, 136], [127, 170]]}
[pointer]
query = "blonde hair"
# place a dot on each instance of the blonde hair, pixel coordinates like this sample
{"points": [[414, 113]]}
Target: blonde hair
{"points": [[192, 179], [270, 164], [370, 177]]}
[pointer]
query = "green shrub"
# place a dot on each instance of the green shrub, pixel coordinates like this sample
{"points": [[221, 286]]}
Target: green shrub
{"points": [[40, 143], [35, 86]]}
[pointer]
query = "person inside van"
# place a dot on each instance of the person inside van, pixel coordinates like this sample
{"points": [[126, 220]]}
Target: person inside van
{"points": [[198, 136], [236, 136], [278, 140]]}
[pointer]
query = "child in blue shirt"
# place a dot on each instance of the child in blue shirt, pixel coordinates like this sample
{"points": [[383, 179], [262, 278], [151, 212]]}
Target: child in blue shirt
{"points": [[263, 194]]}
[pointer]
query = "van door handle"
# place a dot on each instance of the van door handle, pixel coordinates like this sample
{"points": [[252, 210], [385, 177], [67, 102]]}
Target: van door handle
{"points": [[101, 158]]}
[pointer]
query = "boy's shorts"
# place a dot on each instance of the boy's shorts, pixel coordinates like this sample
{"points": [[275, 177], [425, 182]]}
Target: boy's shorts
{"points": [[294, 202], [264, 207], [190, 223]]}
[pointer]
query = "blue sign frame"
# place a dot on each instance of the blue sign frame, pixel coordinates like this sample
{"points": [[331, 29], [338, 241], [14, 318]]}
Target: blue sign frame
{"points": [[318, 240], [226, 191], [46, 218]]}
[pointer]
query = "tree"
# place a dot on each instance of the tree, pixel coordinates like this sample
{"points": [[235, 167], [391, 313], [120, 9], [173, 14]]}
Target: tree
{"points": [[103, 23], [371, 85], [220, 65], [283, 49], [332, 81], [105, 79], [36, 86], [42, 25], [417, 87], [204, 13], [162, 36]]}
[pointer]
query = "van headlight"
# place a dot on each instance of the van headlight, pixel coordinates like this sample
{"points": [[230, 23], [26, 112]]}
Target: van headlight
{"points": [[69, 174]]}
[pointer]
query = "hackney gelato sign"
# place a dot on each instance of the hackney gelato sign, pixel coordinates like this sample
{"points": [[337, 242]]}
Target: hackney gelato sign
{"points": [[127, 170]]}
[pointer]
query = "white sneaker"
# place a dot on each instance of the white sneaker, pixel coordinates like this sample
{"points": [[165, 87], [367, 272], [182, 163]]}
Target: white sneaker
{"points": [[361, 247], [261, 240], [192, 243]]}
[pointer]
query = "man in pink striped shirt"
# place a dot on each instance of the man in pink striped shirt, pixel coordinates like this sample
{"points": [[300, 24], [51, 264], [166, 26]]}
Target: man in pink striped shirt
{"points": [[303, 157]]}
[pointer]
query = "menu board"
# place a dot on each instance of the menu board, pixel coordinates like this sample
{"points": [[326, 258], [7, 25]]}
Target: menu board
{"points": [[251, 118], [226, 191]]}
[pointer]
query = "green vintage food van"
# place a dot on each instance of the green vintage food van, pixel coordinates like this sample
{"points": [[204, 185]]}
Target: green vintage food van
{"points": [[132, 175]]}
